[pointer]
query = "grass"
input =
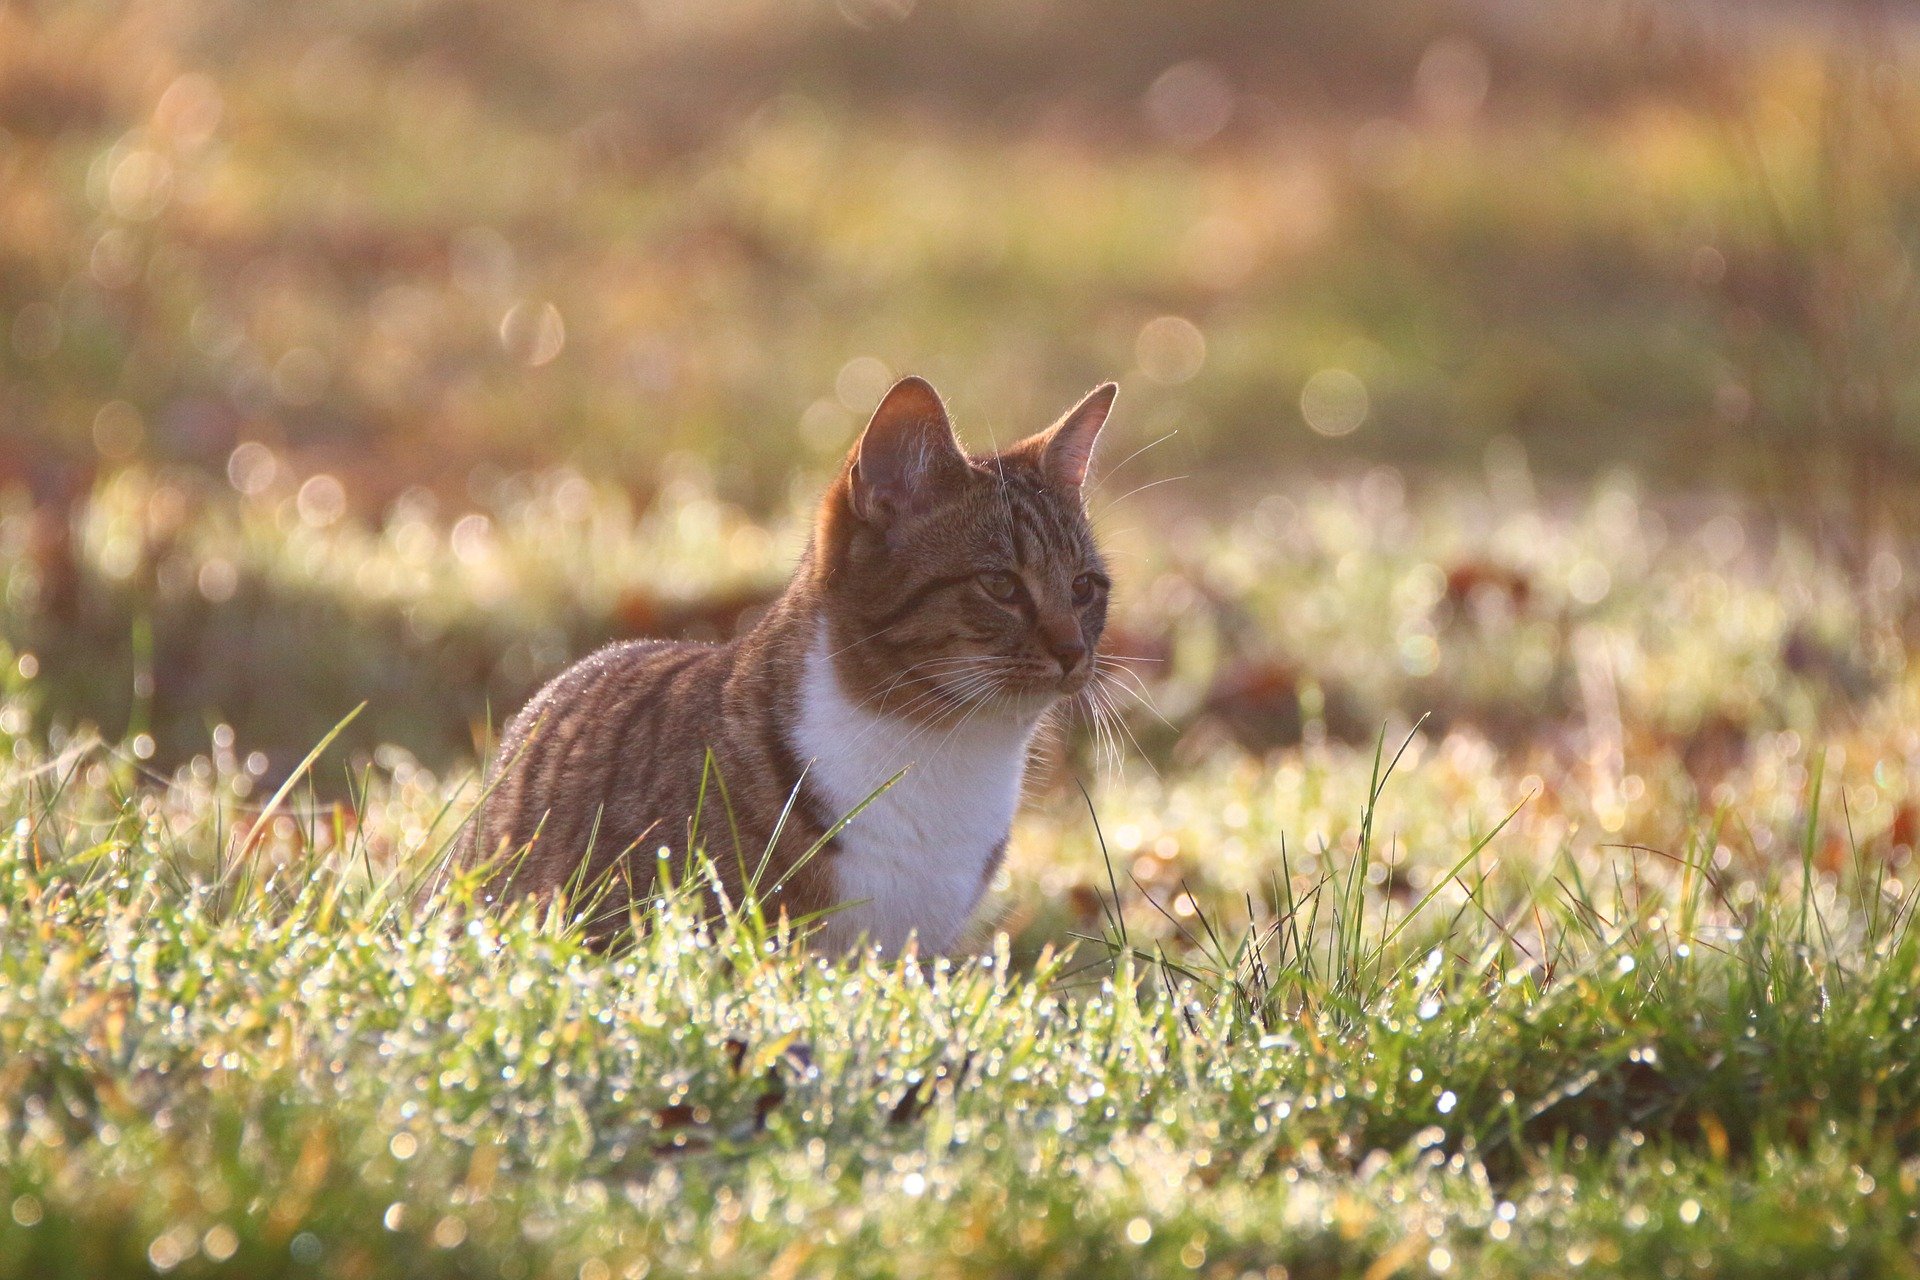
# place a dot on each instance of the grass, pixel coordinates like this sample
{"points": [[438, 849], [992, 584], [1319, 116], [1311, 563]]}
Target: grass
{"points": [[1609, 969], [1627, 992], [285, 1064]]}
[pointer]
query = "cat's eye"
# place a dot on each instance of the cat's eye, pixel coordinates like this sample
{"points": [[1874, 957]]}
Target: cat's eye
{"points": [[1004, 587], [1085, 586]]}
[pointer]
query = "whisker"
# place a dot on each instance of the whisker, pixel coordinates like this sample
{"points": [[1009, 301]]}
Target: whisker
{"points": [[1112, 721], [987, 692], [1115, 469], [1128, 730], [1140, 489], [1140, 695], [1104, 747], [921, 698], [862, 640]]}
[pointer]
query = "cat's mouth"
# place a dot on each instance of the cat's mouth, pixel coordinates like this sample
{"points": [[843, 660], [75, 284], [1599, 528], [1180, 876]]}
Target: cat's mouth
{"points": [[1031, 693], [997, 686]]}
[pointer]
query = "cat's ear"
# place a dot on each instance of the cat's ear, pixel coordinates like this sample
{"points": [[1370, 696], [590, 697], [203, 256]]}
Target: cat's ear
{"points": [[906, 451], [1067, 445]]}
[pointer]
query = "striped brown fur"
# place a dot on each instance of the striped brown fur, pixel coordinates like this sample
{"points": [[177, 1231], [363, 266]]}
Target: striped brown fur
{"points": [[947, 587]]}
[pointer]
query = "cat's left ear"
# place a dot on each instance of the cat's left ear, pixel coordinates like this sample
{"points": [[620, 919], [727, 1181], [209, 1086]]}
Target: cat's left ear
{"points": [[1067, 445], [904, 456]]}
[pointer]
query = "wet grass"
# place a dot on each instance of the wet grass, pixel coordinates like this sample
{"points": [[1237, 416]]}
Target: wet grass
{"points": [[1605, 968], [256, 1053]]}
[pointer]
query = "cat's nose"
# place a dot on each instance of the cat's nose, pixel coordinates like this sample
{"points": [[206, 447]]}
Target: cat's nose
{"points": [[1060, 636]]}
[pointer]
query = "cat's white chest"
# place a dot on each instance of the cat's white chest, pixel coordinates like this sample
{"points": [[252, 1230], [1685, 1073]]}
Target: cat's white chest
{"points": [[915, 860]]}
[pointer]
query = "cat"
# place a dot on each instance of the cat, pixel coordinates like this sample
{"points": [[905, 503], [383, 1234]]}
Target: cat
{"points": [[945, 603]]}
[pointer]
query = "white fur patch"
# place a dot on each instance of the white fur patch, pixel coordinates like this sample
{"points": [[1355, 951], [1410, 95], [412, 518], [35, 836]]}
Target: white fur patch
{"points": [[913, 862]]}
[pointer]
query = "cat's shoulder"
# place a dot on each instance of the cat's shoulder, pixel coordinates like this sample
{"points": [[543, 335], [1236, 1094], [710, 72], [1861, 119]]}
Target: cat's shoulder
{"points": [[639, 658], [641, 652], [625, 661]]}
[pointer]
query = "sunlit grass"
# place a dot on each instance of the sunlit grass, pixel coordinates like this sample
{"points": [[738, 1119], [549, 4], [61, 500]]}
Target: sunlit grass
{"points": [[284, 1063], [1653, 953]]}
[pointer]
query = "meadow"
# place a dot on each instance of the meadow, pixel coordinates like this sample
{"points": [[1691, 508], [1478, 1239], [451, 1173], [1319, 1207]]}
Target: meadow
{"points": [[1625, 990], [1495, 855]]}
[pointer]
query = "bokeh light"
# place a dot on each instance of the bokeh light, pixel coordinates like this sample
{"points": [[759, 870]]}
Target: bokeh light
{"points": [[1334, 402]]}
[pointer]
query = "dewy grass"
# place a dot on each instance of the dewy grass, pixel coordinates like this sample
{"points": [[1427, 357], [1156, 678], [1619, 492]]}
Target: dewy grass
{"points": [[300, 1071]]}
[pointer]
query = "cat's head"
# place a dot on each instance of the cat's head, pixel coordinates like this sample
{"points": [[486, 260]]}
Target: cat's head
{"points": [[956, 584]]}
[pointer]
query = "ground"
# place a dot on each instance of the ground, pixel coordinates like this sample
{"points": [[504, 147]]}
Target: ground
{"points": [[1628, 991]]}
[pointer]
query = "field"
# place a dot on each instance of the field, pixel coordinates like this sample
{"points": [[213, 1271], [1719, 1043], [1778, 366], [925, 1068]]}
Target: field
{"points": [[1495, 858]]}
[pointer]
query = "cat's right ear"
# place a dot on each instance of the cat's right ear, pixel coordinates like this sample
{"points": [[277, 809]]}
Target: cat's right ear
{"points": [[905, 452]]}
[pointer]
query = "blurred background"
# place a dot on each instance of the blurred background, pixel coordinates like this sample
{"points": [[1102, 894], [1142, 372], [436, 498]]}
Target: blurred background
{"points": [[404, 351]]}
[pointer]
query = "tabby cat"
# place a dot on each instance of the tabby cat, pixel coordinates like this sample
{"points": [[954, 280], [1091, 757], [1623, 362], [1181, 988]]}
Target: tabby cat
{"points": [[945, 603]]}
